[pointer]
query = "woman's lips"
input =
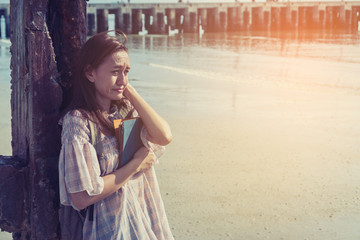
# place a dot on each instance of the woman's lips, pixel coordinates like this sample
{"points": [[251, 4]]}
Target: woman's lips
{"points": [[119, 90]]}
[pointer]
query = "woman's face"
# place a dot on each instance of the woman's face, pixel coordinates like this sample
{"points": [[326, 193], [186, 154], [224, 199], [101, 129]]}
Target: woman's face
{"points": [[110, 78]]}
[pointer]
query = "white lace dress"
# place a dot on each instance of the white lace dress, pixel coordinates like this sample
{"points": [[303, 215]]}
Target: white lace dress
{"points": [[136, 211]]}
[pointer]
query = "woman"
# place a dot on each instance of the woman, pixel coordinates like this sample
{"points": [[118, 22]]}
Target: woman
{"points": [[126, 201]]}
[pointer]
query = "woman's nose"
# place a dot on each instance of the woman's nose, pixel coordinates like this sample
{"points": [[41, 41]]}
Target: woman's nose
{"points": [[122, 79]]}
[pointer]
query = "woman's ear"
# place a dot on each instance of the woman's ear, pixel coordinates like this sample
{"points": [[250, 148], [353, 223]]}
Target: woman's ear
{"points": [[89, 73]]}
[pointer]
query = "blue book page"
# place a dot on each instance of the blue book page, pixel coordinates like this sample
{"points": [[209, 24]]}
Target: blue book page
{"points": [[131, 139]]}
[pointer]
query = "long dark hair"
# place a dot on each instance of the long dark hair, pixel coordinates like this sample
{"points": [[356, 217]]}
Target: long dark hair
{"points": [[91, 55]]}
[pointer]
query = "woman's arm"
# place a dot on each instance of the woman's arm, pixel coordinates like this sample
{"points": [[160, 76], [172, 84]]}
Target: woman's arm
{"points": [[158, 129], [143, 160]]}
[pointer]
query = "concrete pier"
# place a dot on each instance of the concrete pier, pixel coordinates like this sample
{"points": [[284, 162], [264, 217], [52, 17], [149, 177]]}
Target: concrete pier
{"points": [[218, 17]]}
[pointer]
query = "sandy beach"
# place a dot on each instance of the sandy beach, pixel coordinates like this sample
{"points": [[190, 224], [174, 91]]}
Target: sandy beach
{"points": [[284, 167], [265, 146]]}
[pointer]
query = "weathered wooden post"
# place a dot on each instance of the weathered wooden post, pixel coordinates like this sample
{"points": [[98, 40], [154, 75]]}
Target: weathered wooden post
{"points": [[45, 35]]}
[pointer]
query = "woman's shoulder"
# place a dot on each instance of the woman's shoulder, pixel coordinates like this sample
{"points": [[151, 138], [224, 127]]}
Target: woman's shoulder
{"points": [[75, 120], [75, 125], [75, 115]]}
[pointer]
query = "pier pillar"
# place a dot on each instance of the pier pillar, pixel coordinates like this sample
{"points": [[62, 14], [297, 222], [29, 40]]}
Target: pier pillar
{"points": [[275, 18], [186, 21], [246, 19], [322, 19], [329, 17], [257, 18], [347, 18], [148, 23], [294, 18], [91, 21], [194, 23], [118, 18], [232, 19], [240, 18], [154, 27], [266, 20], [91, 24], [160, 26], [315, 17], [302, 18], [212, 20], [4, 13], [136, 21], [158, 23], [355, 13], [223, 24], [178, 23], [309, 16], [340, 17], [202, 13], [285, 17], [170, 16], [126, 22], [102, 20], [236, 24]]}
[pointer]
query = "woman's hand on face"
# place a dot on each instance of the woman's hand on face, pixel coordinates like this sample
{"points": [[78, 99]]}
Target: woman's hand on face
{"points": [[144, 158], [129, 91]]}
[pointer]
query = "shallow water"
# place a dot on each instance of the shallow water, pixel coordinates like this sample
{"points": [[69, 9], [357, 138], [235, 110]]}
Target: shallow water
{"points": [[200, 72]]}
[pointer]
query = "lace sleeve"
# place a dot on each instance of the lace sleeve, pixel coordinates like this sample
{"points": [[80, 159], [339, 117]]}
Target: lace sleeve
{"points": [[79, 168]]}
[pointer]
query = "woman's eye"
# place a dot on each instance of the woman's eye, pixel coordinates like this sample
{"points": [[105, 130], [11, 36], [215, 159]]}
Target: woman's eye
{"points": [[118, 72]]}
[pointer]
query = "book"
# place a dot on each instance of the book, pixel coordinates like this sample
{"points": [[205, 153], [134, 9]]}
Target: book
{"points": [[128, 136]]}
